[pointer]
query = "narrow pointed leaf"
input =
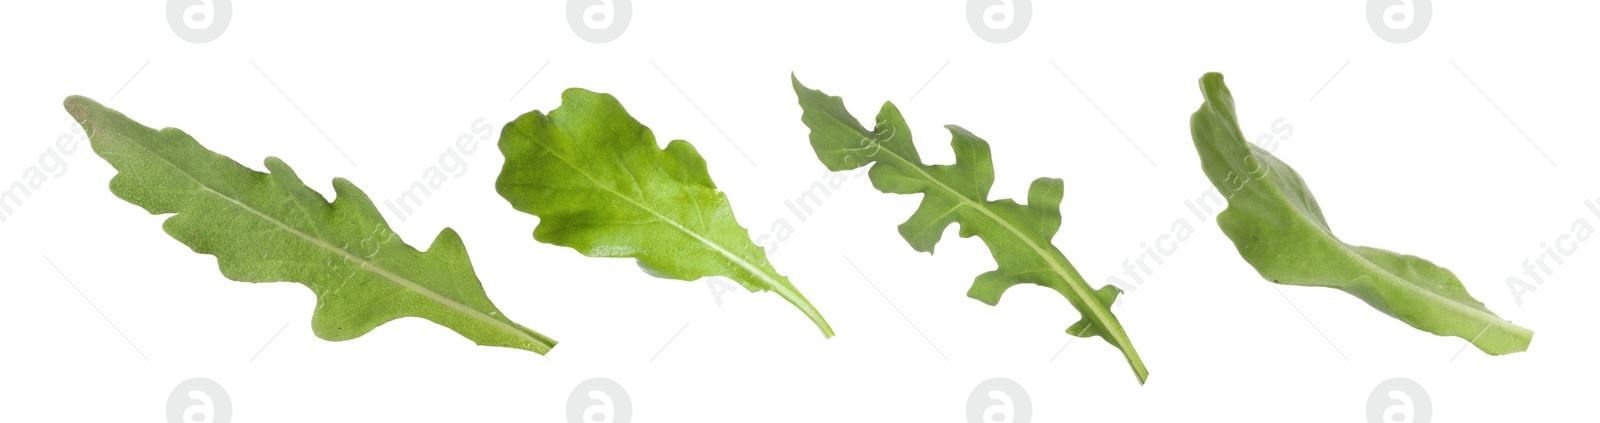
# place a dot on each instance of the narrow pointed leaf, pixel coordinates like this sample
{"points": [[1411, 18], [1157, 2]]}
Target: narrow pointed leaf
{"points": [[1275, 223], [1019, 236], [601, 185], [271, 227]]}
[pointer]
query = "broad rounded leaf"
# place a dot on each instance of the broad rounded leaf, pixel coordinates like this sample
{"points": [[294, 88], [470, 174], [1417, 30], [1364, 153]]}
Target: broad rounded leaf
{"points": [[601, 185]]}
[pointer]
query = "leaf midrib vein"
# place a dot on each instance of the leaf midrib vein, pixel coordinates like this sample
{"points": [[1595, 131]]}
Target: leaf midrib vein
{"points": [[777, 287], [363, 263], [1071, 282], [1327, 236], [1487, 318]]}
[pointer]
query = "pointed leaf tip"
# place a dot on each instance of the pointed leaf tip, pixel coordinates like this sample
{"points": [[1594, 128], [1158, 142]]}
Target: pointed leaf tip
{"points": [[1277, 226], [272, 228], [1019, 236], [600, 184]]}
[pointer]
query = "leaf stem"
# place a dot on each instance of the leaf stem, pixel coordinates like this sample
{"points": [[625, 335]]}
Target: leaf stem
{"points": [[1498, 336], [799, 301], [777, 286], [1076, 287], [536, 342]]}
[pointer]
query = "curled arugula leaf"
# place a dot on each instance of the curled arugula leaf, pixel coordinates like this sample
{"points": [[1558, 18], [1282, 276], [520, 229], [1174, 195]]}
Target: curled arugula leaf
{"points": [[1278, 228], [270, 227], [599, 184], [1019, 236]]}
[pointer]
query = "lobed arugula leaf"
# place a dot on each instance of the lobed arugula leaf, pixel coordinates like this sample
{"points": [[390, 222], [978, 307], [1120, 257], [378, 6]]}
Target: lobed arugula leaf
{"points": [[600, 185], [270, 227], [1278, 228], [1019, 236]]}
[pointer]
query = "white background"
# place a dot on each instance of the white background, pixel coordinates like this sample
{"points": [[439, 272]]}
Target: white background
{"points": [[1405, 145]]}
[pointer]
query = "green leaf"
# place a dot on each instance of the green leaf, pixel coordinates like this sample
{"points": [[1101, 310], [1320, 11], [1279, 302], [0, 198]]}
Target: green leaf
{"points": [[1278, 228], [1019, 236], [270, 227], [599, 184]]}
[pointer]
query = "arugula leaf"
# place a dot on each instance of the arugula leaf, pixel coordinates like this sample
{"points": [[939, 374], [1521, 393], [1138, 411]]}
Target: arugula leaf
{"points": [[1278, 228], [599, 184], [270, 227], [1019, 236]]}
